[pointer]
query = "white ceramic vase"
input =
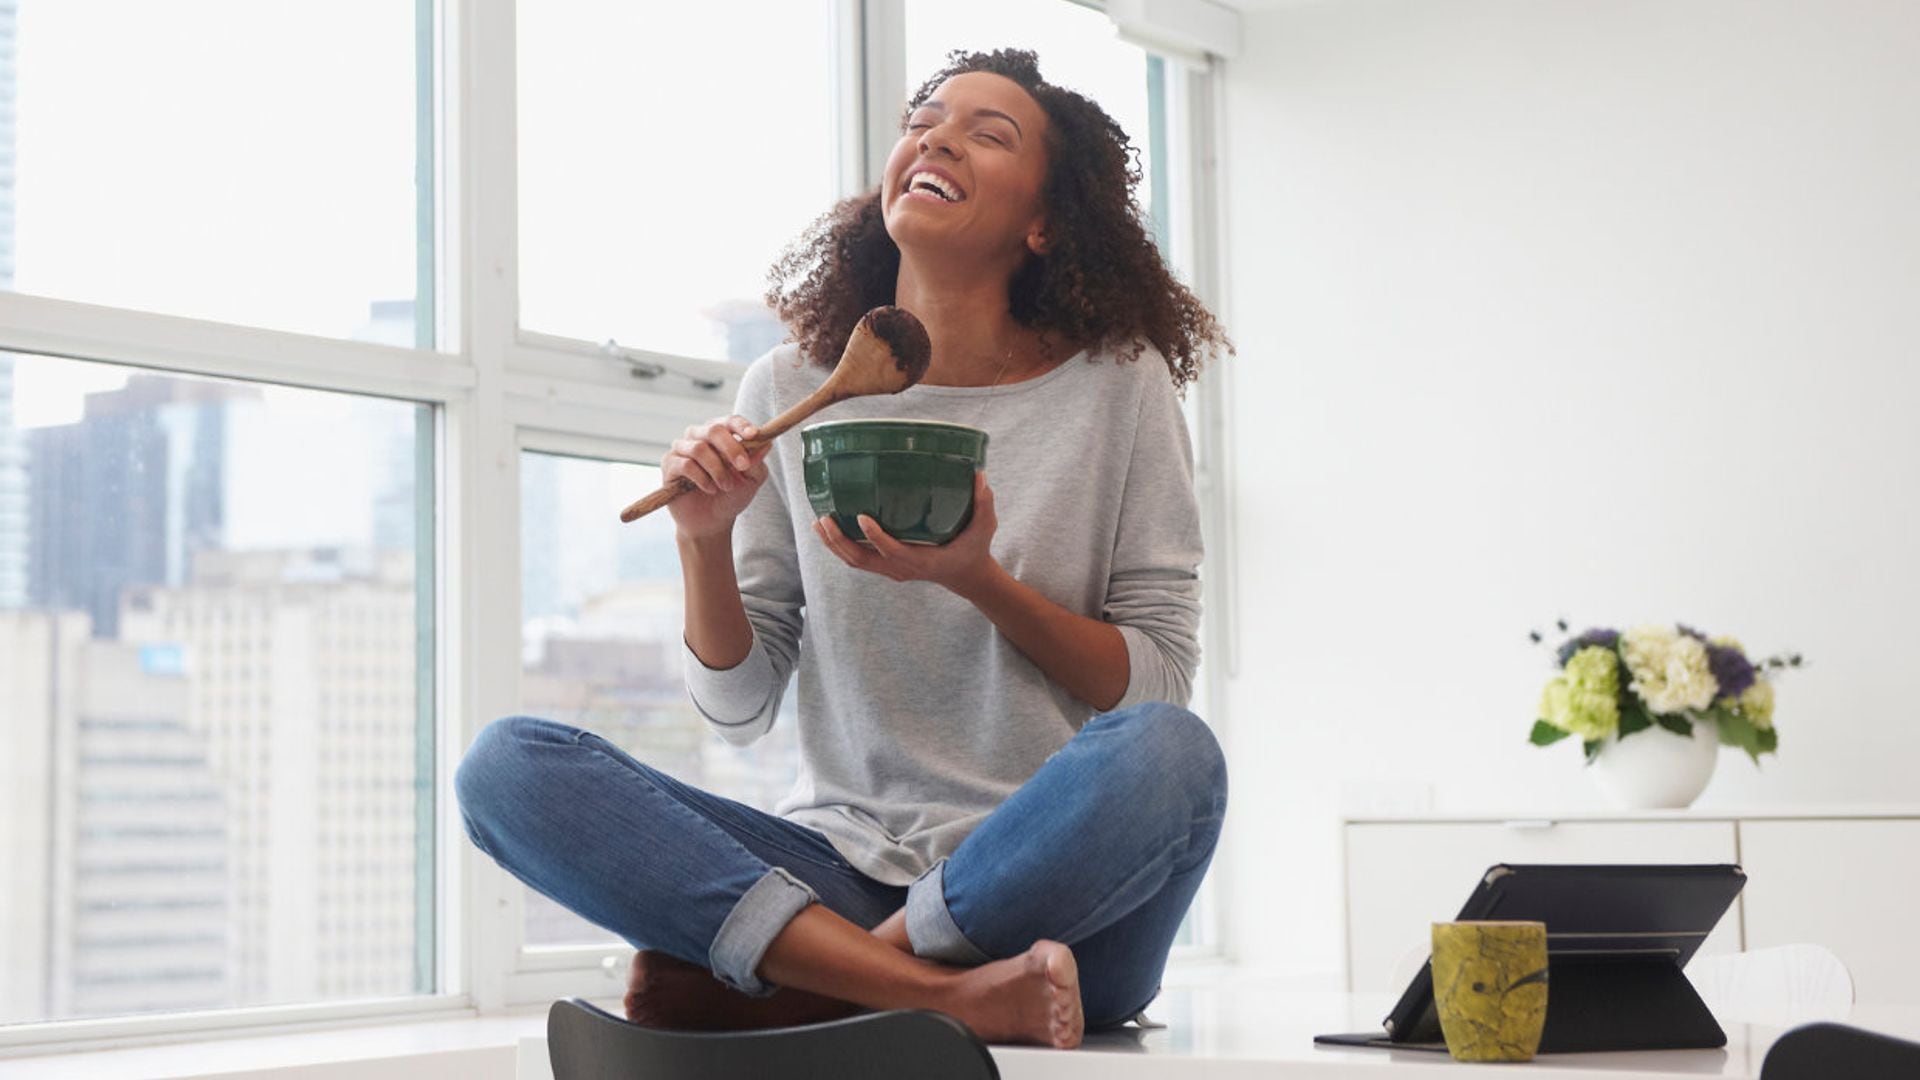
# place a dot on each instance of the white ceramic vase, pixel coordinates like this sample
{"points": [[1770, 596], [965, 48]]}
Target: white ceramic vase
{"points": [[1656, 769]]}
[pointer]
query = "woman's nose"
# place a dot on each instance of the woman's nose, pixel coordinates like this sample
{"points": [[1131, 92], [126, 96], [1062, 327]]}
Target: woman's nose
{"points": [[936, 136]]}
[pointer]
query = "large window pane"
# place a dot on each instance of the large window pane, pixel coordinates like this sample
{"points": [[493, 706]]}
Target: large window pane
{"points": [[601, 639], [217, 782], [245, 161], [667, 154]]}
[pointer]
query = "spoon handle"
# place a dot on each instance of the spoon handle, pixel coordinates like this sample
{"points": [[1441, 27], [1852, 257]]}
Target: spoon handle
{"points": [[661, 497], [801, 410], [772, 430]]}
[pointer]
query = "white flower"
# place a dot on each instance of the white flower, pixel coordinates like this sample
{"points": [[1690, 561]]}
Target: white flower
{"points": [[1669, 669]]}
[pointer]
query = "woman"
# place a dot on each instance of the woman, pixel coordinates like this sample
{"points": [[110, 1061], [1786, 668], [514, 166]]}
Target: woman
{"points": [[1003, 812]]}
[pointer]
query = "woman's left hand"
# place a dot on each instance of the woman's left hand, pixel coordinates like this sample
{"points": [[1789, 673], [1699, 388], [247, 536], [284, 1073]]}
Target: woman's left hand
{"points": [[958, 565]]}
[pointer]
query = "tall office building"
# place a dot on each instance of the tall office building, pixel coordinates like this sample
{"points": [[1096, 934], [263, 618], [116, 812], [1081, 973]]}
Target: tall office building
{"points": [[127, 494], [110, 828], [302, 676], [38, 664], [140, 845]]}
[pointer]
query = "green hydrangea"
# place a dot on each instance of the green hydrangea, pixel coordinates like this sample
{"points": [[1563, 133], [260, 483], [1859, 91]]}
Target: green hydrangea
{"points": [[1757, 704], [1584, 699]]}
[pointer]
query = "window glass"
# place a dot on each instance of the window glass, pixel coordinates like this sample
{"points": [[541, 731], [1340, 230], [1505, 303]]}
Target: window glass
{"points": [[601, 636], [668, 153], [231, 160], [215, 665]]}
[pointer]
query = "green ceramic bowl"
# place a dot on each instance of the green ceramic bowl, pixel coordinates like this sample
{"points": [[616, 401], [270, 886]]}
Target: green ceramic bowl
{"points": [[915, 477]]}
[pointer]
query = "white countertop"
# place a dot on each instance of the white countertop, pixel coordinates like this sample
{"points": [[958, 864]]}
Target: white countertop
{"points": [[1250, 1031], [1238, 1028], [1784, 812]]}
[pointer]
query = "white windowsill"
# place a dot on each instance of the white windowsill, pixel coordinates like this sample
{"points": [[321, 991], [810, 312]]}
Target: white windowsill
{"points": [[470, 1047]]}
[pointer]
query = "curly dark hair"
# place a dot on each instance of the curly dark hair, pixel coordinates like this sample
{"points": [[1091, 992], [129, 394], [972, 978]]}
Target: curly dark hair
{"points": [[1102, 283]]}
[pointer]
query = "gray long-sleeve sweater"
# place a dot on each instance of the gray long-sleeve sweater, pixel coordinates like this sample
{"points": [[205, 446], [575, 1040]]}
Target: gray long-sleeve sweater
{"points": [[917, 718]]}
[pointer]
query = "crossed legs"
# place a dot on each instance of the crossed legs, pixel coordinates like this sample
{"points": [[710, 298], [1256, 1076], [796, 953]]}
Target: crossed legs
{"points": [[1066, 899]]}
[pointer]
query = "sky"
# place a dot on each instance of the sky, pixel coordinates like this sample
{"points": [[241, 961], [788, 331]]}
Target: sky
{"points": [[245, 161]]}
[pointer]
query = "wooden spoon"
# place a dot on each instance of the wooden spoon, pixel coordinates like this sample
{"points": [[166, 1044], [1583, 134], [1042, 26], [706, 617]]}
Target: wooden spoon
{"points": [[888, 352]]}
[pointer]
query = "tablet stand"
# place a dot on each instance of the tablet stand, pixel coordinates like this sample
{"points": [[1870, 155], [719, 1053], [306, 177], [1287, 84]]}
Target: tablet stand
{"points": [[1617, 939], [1611, 1001]]}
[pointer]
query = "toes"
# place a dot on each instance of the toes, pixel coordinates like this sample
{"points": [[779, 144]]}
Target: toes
{"points": [[1062, 970], [1063, 983]]}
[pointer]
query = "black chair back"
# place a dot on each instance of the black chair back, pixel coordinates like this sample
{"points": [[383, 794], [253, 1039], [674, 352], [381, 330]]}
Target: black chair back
{"points": [[1833, 1051], [587, 1043]]}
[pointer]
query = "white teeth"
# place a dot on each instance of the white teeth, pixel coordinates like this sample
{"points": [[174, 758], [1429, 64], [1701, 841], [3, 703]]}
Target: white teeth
{"points": [[938, 183]]}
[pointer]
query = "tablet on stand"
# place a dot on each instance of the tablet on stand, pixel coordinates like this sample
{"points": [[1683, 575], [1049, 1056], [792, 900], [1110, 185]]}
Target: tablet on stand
{"points": [[1617, 939]]}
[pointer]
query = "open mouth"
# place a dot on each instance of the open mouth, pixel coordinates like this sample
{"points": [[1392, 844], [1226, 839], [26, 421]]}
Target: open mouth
{"points": [[930, 185]]}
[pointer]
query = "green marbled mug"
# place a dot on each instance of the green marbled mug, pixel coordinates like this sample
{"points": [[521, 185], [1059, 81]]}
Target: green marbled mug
{"points": [[1490, 988]]}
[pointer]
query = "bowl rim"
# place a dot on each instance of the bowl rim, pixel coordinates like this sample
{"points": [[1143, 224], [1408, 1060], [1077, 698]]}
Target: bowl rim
{"points": [[864, 420]]}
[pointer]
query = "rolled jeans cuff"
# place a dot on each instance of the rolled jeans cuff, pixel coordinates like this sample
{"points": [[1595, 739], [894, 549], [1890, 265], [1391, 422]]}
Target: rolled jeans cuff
{"points": [[930, 926], [762, 912]]}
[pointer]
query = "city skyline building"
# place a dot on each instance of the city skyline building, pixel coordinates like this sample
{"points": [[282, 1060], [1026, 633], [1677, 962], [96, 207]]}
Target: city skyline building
{"points": [[112, 830], [141, 851], [302, 681], [129, 493], [38, 664], [217, 809], [189, 531]]}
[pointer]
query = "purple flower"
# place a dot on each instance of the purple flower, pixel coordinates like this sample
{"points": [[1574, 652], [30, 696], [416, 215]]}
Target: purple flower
{"points": [[1730, 669], [1602, 637]]}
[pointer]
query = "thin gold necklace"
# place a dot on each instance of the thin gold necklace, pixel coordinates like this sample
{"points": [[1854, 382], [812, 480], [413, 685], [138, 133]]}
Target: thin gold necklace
{"points": [[993, 388]]}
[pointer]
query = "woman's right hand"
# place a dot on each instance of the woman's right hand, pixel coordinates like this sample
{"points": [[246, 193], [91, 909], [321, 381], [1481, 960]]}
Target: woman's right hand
{"points": [[725, 474]]}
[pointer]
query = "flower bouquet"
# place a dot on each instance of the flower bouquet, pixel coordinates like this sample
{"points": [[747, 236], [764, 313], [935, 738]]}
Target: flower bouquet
{"points": [[1612, 685]]}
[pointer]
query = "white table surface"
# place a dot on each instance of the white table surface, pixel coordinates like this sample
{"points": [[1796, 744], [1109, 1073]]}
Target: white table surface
{"points": [[1249, 1030], [1238, 1028]]}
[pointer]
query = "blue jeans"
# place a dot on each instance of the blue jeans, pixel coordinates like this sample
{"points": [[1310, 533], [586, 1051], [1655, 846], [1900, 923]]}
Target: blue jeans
{"points": [[1102, 848]]}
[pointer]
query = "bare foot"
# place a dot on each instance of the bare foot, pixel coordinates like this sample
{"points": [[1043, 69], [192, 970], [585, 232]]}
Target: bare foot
{"points": [[665, 991], [1030, 998]]}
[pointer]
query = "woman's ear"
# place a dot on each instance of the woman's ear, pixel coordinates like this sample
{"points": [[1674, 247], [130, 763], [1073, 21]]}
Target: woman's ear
{"points": [[1037, 241]]}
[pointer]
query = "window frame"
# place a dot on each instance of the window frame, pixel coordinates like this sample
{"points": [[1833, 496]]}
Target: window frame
{"points": [[497, 390], [443, 377]]}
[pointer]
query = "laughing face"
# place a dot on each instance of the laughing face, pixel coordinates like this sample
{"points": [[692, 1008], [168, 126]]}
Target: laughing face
{"points": [[965, 178]]}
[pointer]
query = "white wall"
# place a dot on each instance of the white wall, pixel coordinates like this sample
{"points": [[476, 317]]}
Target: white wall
{"points": [[1605, 308]]}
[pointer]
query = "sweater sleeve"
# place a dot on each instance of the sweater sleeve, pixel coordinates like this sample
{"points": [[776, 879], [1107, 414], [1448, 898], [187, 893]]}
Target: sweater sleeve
{"points": [[1153, 592], [740, 702]]}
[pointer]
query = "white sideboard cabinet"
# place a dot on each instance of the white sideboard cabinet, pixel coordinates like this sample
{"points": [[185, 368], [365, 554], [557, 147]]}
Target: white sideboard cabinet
{"points": [[1846, 879]]}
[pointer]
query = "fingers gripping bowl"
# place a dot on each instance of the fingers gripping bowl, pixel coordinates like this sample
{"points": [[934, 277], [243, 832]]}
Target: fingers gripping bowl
{"points": [[915, 477]]}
